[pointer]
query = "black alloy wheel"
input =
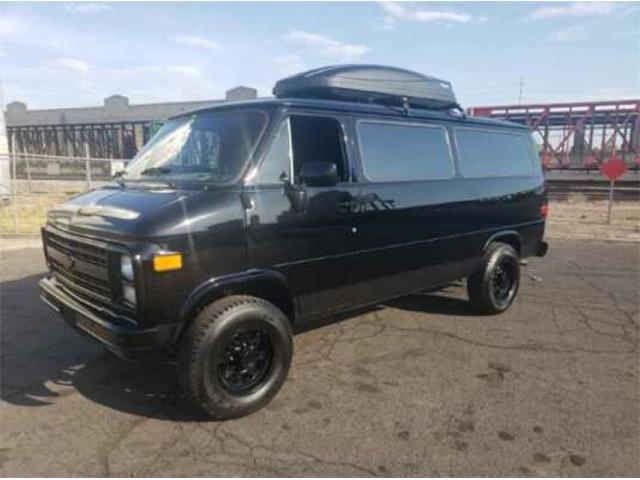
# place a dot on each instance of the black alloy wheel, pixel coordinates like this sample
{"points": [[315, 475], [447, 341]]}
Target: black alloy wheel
{"points": [[493, 286], [503, 282], [246, 360]]}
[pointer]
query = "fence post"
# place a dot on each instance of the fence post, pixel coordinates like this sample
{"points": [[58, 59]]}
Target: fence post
{"points": [[87, 165], [14, 186], [26, 159]]}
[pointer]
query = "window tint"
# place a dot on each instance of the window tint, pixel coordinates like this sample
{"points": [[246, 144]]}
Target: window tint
{"points": [[493, 154], [278, 160], [317, 139], [403, 152]]}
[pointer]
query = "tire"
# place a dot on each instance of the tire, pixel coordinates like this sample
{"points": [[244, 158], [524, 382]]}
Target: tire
{"points": [[226, 340], [489, 292]]}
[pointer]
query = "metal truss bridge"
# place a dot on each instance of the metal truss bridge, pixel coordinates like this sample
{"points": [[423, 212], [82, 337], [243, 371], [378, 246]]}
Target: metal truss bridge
{"points": [[569, 135], [577, 135]]}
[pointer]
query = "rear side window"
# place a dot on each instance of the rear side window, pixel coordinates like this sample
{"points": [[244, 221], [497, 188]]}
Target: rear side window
{"points": [[393, 151], [493, 154]]}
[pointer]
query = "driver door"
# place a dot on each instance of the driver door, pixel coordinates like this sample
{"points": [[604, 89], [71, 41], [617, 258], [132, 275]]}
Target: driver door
{"points": [[304, 232]]}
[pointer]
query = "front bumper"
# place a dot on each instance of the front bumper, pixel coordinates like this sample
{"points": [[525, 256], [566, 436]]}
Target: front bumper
{"points": [[127, 341]]}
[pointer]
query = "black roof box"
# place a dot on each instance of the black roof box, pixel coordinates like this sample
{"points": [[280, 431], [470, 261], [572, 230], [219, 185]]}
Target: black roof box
{"points": [[370, 84]]}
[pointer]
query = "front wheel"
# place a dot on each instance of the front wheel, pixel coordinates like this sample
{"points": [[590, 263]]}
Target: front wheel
{"points": [[493, 286], [235, 357]]}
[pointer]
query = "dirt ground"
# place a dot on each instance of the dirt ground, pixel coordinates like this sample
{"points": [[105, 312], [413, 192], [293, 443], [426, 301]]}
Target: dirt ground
{"points": [[582, 220], [419, 386]]}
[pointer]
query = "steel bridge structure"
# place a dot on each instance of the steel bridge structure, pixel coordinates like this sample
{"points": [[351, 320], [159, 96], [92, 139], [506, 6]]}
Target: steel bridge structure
{"points": [[577, 135], [95, 140], [116, 129], [569, 135]]}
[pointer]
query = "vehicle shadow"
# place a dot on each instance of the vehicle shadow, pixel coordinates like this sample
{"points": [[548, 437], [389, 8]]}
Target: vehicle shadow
{"points": [[432, 303], [43, 360]]}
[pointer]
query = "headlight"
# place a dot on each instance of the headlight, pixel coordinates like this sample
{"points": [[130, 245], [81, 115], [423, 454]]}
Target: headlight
{"points": [[129, 294], [126, 268]]}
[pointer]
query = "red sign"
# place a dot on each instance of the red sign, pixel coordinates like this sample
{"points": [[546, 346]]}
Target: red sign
{"points": [[613, 168]]}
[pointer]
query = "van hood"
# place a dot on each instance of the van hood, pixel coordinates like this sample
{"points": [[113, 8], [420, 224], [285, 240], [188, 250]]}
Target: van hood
{"points": [[130, 214]]}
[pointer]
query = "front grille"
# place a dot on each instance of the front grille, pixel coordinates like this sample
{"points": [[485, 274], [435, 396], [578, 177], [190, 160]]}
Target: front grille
{"points": [[84, 251], [80, 267]]}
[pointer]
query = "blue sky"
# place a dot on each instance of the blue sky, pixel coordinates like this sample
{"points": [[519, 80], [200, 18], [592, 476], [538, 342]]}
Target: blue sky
{"points": [[75, 54]]}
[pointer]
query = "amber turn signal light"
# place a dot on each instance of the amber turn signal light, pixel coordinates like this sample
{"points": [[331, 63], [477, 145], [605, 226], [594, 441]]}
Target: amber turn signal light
{"points": [[165, 262]]}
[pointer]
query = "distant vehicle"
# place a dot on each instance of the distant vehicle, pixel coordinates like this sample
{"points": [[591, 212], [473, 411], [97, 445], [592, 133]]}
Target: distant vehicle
{"points": [[238, 222]]}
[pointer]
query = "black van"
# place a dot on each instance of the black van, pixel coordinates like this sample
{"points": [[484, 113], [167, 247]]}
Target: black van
{"points": [[239, 222]]}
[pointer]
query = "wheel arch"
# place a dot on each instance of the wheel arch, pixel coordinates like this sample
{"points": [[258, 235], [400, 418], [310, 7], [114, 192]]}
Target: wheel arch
{"points": [[510, 237], [266, 284]]}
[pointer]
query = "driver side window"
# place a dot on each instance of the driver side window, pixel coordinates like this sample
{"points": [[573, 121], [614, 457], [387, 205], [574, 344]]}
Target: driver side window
{"points": [[301, 139], [276, 166]]}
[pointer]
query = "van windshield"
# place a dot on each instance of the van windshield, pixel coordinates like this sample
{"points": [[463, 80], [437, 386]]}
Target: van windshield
{"points": [[210, 147]]}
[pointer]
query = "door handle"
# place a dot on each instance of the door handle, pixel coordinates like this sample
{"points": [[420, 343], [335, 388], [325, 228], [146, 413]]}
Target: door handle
{"points": [[347, 206], [297, 197]]}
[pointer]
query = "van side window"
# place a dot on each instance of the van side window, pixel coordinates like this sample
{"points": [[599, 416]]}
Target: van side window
{"points": [[484, 153], [393, 151], [276, 166], [317, 139]]}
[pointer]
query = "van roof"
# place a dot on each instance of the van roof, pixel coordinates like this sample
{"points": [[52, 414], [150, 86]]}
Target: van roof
{"points": [[354, 107]]}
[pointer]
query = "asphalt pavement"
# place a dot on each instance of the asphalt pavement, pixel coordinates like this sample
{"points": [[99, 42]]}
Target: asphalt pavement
{"points": [[419, 386]]}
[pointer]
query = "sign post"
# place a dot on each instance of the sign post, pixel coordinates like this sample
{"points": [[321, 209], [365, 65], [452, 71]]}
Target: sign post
{"points": [[610, 201], [613, 169]]}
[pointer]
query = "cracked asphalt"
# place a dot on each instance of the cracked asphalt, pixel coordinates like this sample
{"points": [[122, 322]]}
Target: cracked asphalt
{"points": [[419, 386]]}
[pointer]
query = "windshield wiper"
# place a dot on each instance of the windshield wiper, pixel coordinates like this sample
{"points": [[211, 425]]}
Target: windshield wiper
{"points": [[155, 171]]}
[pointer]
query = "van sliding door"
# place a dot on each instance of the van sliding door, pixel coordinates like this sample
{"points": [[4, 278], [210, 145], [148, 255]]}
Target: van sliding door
{"points": [[411, 209]]}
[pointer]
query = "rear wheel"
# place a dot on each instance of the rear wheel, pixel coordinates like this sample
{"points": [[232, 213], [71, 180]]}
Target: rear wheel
{"points": [[494, 285], [235, 357]]}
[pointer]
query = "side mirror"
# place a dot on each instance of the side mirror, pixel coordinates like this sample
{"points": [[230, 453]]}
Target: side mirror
{"points": [[319, 174]]}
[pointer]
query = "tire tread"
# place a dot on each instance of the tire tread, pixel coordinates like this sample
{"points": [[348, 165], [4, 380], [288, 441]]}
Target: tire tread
{"points": [[188, 378]]}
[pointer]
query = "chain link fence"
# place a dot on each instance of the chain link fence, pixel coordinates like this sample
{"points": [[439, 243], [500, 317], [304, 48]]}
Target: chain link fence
{"points": [[32, 184]]}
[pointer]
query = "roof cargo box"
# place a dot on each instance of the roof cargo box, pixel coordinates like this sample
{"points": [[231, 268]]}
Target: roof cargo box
{"points": [[370, 84]]}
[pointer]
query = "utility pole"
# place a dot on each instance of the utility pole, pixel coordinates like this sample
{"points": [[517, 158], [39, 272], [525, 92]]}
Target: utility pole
{"points": [[521, 90], [5, 162]]}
